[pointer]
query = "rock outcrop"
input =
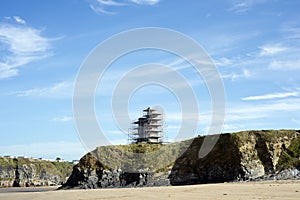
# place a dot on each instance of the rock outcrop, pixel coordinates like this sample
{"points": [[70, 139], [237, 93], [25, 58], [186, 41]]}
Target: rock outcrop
{"points": [[24, 172], [248, 155], [90, 174], [242, 156]]}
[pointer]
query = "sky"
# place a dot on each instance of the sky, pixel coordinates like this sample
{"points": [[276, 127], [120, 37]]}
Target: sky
{"points": [[253, 43]]}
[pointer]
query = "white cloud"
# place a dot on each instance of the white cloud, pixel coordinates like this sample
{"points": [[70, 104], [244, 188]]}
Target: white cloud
{"points": [[292, 31], [279, 105], [272, 96], [177, 64], [110, 3], [234, 76], [245, 116], [222, 62], [242, 6], [146, 2], [268, 50], [7, 72], [99, 6], [23, 40], [218, 45], [63, 119], [102, 6], [100, 9], [285, 65], [20, 45], [58, 90], [254, 115], [19, 20]]}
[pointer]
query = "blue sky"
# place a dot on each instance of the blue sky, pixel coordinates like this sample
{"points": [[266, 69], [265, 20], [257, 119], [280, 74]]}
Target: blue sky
{"points": [[254, 44]]}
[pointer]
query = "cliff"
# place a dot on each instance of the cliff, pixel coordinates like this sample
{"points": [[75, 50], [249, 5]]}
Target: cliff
{"points": [[242, 156], [25, 172]]}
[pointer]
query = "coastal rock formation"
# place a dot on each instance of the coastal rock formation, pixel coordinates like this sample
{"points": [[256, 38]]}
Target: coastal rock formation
{"points": [[25, 172], [90, 173], [248, 155], [242, 156]]}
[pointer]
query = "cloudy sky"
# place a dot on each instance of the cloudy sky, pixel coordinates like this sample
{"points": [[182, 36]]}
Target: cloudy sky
{"points": [[253, 43]]}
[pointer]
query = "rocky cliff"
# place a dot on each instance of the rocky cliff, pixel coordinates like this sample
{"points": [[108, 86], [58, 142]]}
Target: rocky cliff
{"points": [[242, 156], [25, 172]]}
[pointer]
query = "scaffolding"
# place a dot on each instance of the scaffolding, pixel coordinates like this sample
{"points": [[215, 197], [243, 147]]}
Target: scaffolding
{"points": [[148, 128]]}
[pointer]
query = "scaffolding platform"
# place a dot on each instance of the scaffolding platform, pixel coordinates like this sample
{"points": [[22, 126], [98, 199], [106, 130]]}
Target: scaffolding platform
{"points": [[148, 128]]}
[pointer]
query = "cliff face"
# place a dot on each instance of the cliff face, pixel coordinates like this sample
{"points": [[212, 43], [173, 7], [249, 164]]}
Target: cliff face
{"points": [[247, 155], [242, 156], [23, 172], [91, 173]]}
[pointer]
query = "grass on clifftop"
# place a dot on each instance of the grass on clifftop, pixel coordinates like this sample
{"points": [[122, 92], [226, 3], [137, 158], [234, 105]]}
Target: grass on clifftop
{"points": [[63, 169], [267, 135], [158, 157], [149, 157]]}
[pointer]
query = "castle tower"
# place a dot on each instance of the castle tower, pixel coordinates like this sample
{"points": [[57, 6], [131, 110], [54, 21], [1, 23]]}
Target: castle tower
{"points": [[148, 128]]}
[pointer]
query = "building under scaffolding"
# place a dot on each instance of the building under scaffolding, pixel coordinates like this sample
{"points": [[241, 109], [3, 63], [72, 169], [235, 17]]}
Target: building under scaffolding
{"points": [[148, 128]]}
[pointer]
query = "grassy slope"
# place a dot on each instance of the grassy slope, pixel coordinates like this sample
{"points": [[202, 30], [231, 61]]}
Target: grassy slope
{"points": [[63, 169], [157, 155], [154, 157], [290, 156]]}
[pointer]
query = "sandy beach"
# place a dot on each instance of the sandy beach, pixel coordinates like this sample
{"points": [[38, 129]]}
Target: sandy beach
{"points": [[233, 191]]}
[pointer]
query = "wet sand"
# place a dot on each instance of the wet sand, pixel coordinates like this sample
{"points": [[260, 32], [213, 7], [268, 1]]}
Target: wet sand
{"points": [[233, 191]]}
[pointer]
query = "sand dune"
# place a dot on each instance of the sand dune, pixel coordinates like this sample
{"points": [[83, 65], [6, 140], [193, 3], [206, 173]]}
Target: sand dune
{"points": [[233, 191]]}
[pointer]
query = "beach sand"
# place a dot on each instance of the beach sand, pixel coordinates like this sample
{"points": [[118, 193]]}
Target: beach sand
{"points": [[233, 191]]}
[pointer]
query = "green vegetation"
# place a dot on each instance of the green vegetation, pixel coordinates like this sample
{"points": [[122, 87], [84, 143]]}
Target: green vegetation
{"points": [[149, 157], [159, 157], [140, 148], [63, 169], [5, 162], [89, 161], [6, 179], [266, 135], [290, 157]]}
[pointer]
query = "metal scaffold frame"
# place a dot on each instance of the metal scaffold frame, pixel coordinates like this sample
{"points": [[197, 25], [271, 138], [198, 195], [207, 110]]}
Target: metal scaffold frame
{"points": [[148, 128]]}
